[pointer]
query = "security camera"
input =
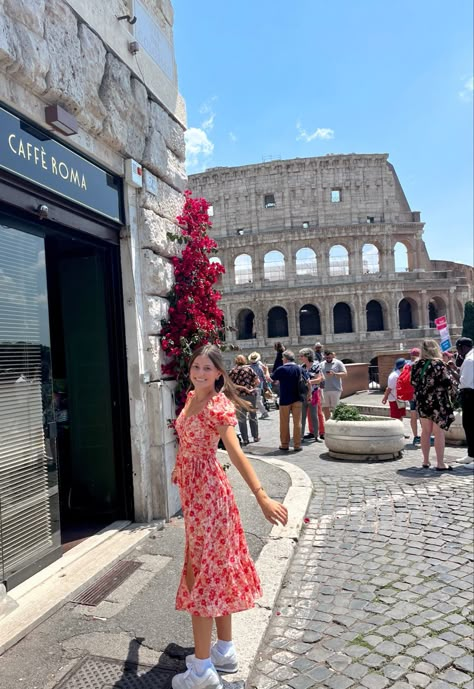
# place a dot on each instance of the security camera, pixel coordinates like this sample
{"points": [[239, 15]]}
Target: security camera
{"points": [[43, 211]]}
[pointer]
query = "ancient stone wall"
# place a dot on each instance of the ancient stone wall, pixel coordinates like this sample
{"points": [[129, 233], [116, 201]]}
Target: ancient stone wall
{"points": [[320, 236]]}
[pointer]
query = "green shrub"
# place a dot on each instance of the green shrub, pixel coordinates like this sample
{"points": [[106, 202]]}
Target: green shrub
{"points": [[345, 412]]}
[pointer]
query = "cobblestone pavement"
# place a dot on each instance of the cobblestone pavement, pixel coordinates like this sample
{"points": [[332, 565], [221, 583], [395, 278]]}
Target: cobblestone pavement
{"points": [[380, 591]]}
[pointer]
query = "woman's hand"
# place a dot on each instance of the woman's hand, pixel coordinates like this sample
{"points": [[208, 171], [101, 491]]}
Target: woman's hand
{"points": [[273, 511], [174, 476]]}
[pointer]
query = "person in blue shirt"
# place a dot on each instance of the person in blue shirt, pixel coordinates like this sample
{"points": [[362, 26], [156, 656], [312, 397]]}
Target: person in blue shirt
{"points": [[288, 377]]}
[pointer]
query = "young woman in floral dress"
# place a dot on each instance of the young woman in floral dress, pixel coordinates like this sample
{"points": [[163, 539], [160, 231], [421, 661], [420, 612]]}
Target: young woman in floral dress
{"points": [[218, 577]]}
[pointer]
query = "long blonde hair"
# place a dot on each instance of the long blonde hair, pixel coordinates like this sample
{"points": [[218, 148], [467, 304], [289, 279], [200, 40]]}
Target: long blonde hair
{"points": [[223, 383], [430, 350]]}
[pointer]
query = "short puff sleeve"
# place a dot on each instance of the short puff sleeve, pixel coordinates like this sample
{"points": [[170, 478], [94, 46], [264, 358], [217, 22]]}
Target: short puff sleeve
{"points": [[223, 411]]}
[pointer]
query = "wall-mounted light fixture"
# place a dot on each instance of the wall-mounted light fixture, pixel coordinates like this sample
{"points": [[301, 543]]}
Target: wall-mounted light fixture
{"points": [[61, 119]]}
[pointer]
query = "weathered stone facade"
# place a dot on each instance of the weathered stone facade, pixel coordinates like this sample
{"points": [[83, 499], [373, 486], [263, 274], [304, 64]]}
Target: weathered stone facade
{"points": [[76, 53], [356, 303]]}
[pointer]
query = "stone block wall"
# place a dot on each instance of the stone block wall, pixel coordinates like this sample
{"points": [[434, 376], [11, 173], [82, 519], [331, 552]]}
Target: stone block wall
{"points": [[75, 53]]}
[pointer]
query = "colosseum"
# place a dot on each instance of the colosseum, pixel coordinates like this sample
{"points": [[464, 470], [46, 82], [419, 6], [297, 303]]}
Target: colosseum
{"points": [[327, 249]]}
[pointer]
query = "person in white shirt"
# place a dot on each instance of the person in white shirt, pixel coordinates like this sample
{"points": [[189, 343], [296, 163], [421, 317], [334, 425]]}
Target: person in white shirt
{"points": [[466, 386], [396, 411]]}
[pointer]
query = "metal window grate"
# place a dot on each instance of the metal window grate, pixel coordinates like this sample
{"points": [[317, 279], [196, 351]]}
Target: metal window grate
{"points": [[96, 593]]}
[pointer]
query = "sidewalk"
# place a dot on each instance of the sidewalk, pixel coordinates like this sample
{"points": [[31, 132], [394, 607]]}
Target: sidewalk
{"points": [[80, 646]]}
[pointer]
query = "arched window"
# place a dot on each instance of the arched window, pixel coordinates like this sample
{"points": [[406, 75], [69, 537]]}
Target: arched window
{"points": [[342, 318], [243, 269], [405, 315], [246, 325], [374, 316], [338, 261], [274, 266], [277, 322], [310, 322], [436, 308], [370, 259], [401, 258], [306, 262]]}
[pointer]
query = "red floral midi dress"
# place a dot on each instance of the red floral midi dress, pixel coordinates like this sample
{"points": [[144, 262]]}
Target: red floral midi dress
{"points": [[225, 579]]}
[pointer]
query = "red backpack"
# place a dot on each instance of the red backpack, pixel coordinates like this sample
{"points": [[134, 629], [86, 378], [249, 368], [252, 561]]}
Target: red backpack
{"points": [[405, 390]]}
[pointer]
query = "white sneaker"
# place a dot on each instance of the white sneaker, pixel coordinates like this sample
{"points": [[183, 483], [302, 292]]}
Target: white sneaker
{"points": [[190, 680], [226, 663], [465, 460]]}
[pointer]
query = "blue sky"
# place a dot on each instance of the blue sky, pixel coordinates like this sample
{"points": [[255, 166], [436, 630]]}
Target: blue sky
{"points": [[267, 79]]}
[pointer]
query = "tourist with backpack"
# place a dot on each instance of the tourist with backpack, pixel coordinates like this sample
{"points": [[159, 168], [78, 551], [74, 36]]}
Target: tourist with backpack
{"points": [[397, 406], [406, 391]]}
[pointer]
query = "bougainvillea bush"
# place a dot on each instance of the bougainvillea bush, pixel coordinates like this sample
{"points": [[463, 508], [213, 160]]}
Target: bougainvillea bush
{"points": [[194, 317]]}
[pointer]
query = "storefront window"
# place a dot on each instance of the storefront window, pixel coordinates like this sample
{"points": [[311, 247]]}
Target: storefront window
{"points": [[29, 515]]}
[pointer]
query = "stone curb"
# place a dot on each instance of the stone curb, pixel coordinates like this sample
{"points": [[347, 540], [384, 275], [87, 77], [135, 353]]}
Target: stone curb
{"points": [[249, 627]]}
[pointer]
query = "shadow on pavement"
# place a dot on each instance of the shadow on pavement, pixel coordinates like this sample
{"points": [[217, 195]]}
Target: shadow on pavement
{"points": [[172, 661]]}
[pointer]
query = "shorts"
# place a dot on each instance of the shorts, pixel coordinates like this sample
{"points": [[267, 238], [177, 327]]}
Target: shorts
{"points": [[331, 399], [412, 405], [395, 411]]}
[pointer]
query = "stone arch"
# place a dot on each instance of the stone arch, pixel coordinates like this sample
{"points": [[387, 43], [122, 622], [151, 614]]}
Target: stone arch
{"points": [[375, 316], [306, 262], [310, 320], [401, 255], [436, 308], [338, 260], [342, 316], [407, 314], [243, 273], [216, 259], [246, 324], [277, 322], [274, 266], [370, 259]]}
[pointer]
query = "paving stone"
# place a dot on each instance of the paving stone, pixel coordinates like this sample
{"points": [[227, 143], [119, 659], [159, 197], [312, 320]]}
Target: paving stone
{"points": [[454, 676], [416, 679], [283, 673], [321, 673], [356, 670], [439, 684], [356, 651], [389, 648], [404, 639], [416, 651], [374, 660], [465, 663], [374, 681], [302, 664], [432, 642], [311, 637], [301, 682], [339, 682], [438, 659], [425, 668], [338, 661], [393, 671]]}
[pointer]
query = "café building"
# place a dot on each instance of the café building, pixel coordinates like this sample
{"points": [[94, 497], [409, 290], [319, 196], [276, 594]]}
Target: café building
{"points": [[90, 184]]}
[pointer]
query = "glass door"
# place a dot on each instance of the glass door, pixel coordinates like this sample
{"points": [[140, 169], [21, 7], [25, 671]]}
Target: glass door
{"points": [[29, 509]]}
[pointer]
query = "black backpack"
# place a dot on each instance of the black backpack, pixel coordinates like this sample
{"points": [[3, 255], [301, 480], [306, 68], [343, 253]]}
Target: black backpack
{"points": [[303, 391]]}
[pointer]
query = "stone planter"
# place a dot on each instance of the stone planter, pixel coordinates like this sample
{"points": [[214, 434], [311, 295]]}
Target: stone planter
{"points": [[377, 439], [456, 435]]}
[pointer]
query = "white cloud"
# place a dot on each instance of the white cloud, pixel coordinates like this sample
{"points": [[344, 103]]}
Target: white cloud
{"points": [[198, 149], [208, 109], [319, 133], [468, 90], [232, 137]]}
